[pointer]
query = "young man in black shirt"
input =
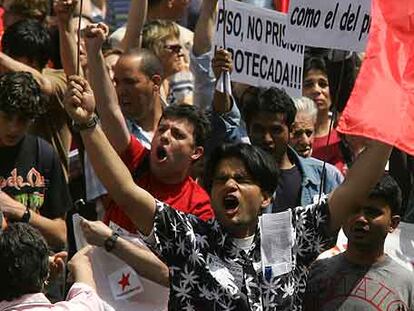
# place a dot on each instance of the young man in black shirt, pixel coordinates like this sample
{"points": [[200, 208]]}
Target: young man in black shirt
{"points": [[32, 184]]}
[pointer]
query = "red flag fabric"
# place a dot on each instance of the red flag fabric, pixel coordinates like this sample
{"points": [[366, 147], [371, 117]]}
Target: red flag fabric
{"points": [[381, 105], [281, 5]]}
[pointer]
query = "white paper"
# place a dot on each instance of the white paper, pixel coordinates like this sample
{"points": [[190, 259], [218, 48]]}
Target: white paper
{"points": [[276, 243], [223, 84], [78, 233]]}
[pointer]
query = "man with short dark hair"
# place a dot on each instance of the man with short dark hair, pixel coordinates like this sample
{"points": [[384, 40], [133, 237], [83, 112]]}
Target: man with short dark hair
{"points": [[364, 277], [269, 115], [32, 185], [218, 264], [25, 270]]}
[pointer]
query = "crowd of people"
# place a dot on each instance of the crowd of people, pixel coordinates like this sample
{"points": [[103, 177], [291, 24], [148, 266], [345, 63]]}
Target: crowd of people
{"points": [[114, 111]]}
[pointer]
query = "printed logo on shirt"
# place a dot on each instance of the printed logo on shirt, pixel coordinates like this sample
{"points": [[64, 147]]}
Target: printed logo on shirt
{"points": [[28, 190], [365, 293]]}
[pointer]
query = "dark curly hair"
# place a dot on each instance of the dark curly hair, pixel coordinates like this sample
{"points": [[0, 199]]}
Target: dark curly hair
{"points": [[24, 261], [193, 115], [20, 94], [271, 100]]}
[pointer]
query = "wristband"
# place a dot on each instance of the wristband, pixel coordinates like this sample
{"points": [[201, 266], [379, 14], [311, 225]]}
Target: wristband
{"points": [[26, 216], [84, 126], [110, 242]]}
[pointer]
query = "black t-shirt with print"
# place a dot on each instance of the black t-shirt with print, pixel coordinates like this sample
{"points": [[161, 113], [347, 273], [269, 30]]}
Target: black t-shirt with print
{"points": [[31, 173]]}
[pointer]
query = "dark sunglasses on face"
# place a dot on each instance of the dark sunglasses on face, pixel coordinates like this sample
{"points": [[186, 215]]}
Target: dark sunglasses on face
{"points": [[176, 48]]}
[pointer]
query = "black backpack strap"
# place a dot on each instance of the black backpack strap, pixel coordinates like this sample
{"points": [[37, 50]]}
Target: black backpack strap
{"points": [[44, 156]]}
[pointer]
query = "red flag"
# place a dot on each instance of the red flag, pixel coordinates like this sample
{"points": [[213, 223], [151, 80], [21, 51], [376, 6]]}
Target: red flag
{"points": [[281, 5], [381, 105]]}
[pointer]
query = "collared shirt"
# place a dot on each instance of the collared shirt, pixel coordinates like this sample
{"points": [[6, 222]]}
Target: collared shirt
{"points": [[81, 297], [311, 170], [144, 137], [209, 272]]}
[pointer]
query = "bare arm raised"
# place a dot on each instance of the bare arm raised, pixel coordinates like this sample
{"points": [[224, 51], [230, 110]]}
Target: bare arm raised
{"points": [[8, 64], [360, 179], [221, 62], [113, 121], [204, 31], [136, 19], [64, 10], [137, 203]]}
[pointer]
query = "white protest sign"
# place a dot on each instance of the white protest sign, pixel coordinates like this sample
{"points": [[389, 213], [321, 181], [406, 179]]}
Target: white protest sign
{"points": [[262, 56], [338, 24]]}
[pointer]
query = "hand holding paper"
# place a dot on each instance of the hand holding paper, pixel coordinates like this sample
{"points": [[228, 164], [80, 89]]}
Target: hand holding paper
{"points": [[95, 232], [221, 62]]}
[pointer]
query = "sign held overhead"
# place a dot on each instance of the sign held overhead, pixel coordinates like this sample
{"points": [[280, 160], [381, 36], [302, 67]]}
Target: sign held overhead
{"points": [[262, 55], [340, 24]]}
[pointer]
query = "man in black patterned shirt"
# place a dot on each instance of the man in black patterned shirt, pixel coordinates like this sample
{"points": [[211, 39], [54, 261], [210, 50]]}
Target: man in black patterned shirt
{"points": [[218, 265]]}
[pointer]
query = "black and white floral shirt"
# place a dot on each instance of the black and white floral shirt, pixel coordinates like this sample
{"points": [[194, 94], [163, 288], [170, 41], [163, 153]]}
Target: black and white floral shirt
{"points": [[209, 272]]}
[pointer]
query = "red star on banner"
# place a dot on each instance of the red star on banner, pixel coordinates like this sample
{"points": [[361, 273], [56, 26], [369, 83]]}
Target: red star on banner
{"points": [[124, 281]]}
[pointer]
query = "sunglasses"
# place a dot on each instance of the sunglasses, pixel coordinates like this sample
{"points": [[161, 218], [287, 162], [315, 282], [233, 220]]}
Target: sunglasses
{"points": [[176, 48]]}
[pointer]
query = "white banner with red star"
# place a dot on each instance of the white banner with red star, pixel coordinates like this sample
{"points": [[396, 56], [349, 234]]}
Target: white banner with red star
{"points": [[120, 286]]}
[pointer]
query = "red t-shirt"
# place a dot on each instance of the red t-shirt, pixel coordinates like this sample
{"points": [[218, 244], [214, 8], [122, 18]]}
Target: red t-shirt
{"points": [[330, 153], [187, 196]]}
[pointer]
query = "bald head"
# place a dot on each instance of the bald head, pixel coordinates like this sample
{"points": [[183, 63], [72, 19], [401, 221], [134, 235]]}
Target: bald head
{"points": [[145, 61]]}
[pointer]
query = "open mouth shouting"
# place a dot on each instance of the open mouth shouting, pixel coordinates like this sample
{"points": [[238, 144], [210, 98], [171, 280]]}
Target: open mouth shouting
{"points": [[161, 154], [231, 204]]}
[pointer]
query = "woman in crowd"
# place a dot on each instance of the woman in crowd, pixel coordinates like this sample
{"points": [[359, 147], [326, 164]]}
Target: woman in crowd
{"points": [[316, 86]]}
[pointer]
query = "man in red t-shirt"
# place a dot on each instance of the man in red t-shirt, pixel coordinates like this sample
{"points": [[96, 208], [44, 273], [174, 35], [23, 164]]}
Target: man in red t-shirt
{"points": [[164, 171], [178, 133]]}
